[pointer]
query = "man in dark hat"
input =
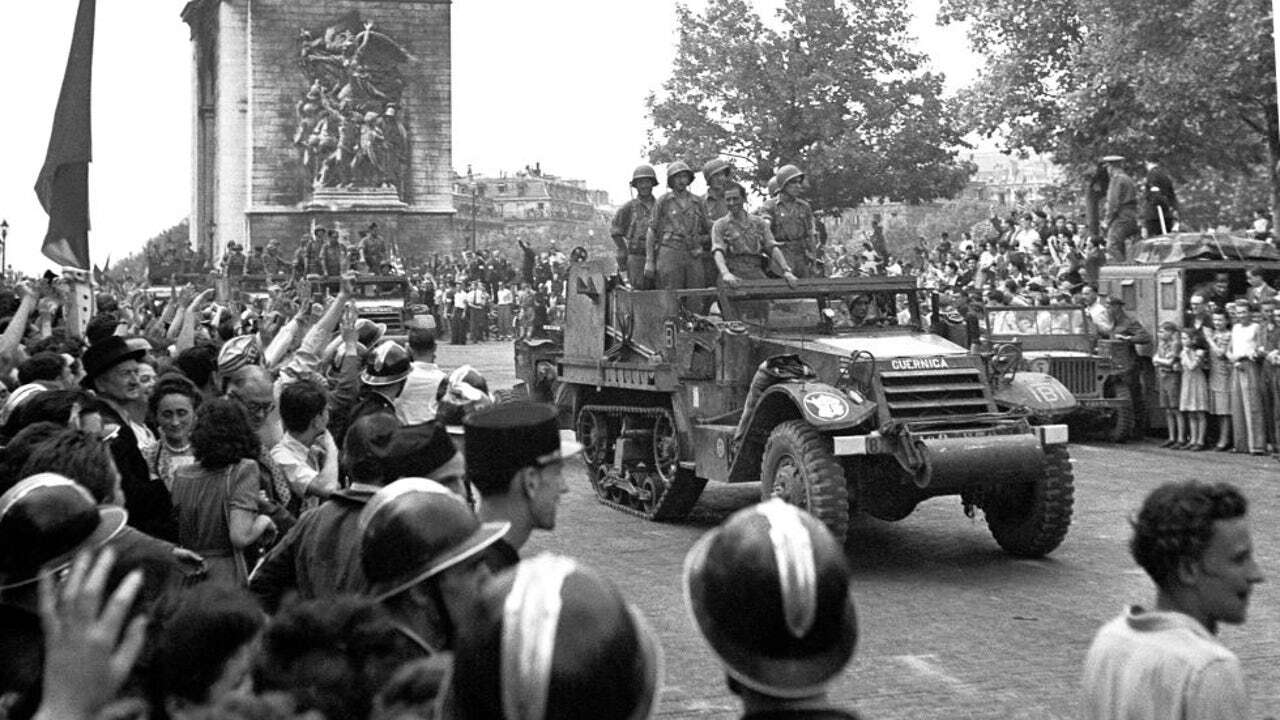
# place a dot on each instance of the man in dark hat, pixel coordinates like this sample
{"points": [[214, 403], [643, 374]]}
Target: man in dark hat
{"points": [[521, 485], [111, 372], [769, 592], [320, 556], [422, 554]]}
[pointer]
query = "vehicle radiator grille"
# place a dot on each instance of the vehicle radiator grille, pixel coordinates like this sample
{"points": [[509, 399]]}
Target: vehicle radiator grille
{"points": [[392, 319], [934, 393], [1079, 375]]}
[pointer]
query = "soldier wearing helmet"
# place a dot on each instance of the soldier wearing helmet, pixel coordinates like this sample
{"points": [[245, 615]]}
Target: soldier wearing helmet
{"points": [[632, 223], [792, 220], [769, 592], [677, 230], [386, 368], [718, 174], [740, 243]]}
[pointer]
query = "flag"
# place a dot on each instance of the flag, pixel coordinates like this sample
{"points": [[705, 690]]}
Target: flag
{"points": [[63, 185]]}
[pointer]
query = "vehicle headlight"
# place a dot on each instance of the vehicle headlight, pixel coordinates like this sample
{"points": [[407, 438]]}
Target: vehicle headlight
{"points": [[856, 396], [1040, 365]]}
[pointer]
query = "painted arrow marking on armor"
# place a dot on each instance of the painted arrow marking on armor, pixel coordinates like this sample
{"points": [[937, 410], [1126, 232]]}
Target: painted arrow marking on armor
{"points": [[927, 666]]}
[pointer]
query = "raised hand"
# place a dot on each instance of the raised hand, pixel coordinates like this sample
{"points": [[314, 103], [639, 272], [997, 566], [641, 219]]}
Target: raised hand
{"points": [[86, 657]]}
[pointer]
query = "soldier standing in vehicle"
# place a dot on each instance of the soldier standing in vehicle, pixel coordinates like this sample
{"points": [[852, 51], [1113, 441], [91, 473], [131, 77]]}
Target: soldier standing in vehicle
{"points": [[632, 223], [717, 173], [792, 221], [1121, 216], [673, 246], [740, 243], [1160, 209]]}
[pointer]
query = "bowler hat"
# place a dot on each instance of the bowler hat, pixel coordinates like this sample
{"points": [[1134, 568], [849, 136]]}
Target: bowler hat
{"points": [[104, 355], [44, 521], [414, 529], [527, 434], [552, 635], [769, 591]]}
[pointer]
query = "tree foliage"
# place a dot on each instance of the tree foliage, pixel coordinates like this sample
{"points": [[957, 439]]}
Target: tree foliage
{"points": [[830, 87], [1191, 83]]}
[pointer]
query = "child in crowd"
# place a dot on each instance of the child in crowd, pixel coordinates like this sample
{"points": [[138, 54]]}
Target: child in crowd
{"points": [[1220, 377], [1193, 398], [1168, 364]]}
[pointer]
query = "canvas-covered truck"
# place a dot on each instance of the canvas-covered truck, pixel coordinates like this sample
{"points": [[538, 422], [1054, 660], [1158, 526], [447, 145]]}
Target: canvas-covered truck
{"points": [[831, 394], [1159, 278]]}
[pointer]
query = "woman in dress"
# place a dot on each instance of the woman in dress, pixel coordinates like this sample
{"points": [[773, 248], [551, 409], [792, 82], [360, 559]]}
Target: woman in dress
{"points": [[216, 498], [172, 409], [1220, 377], [1193, 398]]}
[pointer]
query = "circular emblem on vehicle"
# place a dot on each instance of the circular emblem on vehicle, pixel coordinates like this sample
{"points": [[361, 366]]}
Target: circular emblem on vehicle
{"points": [[720, 448], [826, 405]]}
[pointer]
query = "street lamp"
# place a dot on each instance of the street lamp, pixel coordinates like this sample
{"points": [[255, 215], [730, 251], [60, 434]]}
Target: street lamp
{"points": [[4, 248], [471, 181]]}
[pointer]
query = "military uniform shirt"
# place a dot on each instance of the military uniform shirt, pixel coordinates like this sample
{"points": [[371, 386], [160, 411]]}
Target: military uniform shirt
{"points": [[631, 223], [679, 220], [791, 220], [749, 236]]}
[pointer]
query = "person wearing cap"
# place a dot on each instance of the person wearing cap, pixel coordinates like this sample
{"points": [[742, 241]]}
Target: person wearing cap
{"points": [[740, 243], [1120, 218], [632, 222], [521, 485], [422, 552], [673, 242], [111, 373], [306, 457], [273, 264], [1123, 326], [769, 591], [320, 556], [552, 639], [791, 220]]}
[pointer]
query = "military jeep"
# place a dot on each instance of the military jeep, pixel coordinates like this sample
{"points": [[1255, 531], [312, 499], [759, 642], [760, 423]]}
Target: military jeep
{"points": [[831, 394], [1059, 340]]}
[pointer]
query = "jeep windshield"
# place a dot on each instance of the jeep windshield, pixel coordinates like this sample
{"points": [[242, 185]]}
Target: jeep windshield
{"points": [[832, 312], [1036, 321]]}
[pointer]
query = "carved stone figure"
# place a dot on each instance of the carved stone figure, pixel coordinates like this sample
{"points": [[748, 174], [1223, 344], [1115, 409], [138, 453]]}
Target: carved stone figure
{"points": [[349, 131]]}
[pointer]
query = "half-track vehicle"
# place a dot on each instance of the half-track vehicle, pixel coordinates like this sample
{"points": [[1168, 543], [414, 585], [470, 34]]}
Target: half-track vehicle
{"points": [[1160, 275], [830, 394], [1060, 341]]}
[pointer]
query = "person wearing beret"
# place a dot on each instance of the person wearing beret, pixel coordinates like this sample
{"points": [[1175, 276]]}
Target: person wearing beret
{"points": [[522, 485]]}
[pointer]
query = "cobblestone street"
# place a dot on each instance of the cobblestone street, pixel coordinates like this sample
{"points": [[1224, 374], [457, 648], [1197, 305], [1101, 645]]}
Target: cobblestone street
{"points": [[950, 626]]}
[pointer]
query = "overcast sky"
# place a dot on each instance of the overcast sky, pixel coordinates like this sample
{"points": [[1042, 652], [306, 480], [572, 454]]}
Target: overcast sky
{"points": [[560, 82]]}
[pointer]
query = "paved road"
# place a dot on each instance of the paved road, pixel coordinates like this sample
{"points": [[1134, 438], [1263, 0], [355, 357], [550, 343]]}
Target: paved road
{"points": [[951, 627]]}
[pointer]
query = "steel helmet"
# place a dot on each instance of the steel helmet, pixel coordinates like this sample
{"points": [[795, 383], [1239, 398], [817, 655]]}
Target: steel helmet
{"points": [[414, 529], [387, 364], [675, 169], [715, 165], [551, 634], [644, 171], [787, 174], [772, 188], [769, 591]]}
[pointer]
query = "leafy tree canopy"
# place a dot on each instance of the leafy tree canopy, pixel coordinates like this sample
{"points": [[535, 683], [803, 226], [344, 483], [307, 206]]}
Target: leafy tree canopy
{"points": [[830, 87], [1191, 83]]}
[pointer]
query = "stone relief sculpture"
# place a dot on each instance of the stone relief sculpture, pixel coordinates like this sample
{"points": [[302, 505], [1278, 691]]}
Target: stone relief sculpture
{"points": [[349, 127]]}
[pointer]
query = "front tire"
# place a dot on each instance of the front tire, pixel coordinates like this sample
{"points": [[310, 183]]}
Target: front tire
{"points": [[1123, 421], [1031, 519], [798, 467]]}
